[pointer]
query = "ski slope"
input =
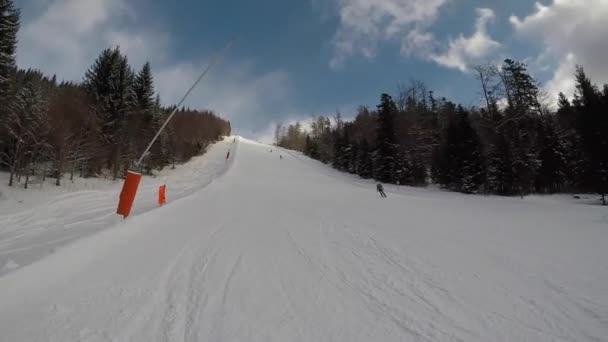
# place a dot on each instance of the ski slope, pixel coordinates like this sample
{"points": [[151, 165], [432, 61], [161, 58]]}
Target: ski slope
{"points": [[36, 222], [290, 250]]}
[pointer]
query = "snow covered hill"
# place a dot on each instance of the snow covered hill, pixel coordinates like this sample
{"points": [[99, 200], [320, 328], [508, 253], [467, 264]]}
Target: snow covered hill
{"points": [[34, 223], [289, 250]]}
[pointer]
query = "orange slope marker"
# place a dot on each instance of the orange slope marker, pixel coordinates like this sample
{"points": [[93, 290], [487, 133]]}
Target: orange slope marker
{"points": [[162, 199]]}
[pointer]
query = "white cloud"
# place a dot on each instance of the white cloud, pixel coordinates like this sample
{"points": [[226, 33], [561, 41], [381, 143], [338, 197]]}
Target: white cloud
{"points": [[365, 23], [417, 43], [466, 50], [563, 79], [267, 135], [141, 46], [66, 36], [572, 32]]}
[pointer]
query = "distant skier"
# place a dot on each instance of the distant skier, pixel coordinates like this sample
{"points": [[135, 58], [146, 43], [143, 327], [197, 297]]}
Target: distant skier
{"points": [[280, 156], [380, 190]]}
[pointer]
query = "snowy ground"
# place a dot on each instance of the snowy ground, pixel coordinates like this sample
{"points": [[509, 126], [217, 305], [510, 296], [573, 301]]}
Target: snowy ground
{"points": [[289, 250], [34, 223]]}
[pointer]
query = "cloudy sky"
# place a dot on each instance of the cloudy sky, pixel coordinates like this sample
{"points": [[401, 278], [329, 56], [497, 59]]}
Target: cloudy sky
{"points": [[293, 59]]}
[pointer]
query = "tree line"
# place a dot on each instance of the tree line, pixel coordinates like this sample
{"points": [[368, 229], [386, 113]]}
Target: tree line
{"points": [[98, 126], [513, 144]]}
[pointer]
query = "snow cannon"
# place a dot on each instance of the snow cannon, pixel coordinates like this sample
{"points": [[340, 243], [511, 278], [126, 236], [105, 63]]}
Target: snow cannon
{"points": [[127, 195]]}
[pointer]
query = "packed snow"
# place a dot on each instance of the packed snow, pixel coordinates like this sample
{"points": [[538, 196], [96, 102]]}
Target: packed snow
{"points": [[34, 223], [264, 248]]}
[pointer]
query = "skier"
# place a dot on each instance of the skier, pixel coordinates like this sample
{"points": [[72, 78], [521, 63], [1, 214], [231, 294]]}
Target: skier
{"points": [[380, 189], [281, 156]]}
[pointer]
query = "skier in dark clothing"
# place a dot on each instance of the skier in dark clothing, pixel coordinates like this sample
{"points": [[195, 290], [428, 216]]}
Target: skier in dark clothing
{"points": [[380, 189]]}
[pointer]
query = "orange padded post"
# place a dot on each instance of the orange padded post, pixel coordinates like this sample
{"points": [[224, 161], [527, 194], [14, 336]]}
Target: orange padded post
{"points": [[127, 195], [162, 199]]}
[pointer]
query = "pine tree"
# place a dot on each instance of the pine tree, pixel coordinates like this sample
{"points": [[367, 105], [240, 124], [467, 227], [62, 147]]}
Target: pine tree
{"points": [[461, 168], [551, 175], [437, 163], [365, 167], [353, 155], [343, 149], [566, 116], [143, 115], [387, 141], [418, 165], [9, 27], [144, 89], [338, 158], [576, 162], [109, 83], [346, 151], [312, 148], [157, 152], [521, 88], [404, 171], [525, 163], [307, 146], [500, 173], [325, 138], [591, 106], [520, 123], [602, 147]]}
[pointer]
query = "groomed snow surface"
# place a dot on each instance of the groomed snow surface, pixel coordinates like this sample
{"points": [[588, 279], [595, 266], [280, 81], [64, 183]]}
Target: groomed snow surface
{"points": [[267, 249], [34, 223]]}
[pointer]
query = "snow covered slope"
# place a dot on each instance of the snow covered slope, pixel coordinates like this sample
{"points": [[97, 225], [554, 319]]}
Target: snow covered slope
{"points": [[288, 250], [36, 222]]}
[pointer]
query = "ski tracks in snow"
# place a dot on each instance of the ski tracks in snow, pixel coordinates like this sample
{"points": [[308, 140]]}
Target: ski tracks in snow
{"points": [[176, 306], [393, 287], [348, 264], [274, 251]]}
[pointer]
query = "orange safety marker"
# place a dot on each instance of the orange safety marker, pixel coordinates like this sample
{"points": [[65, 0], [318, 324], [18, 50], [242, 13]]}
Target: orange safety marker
{"points": [[127, 195], [162, 199]]}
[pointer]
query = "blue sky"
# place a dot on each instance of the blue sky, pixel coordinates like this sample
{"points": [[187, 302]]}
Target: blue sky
{"points": [[294, 59]]}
